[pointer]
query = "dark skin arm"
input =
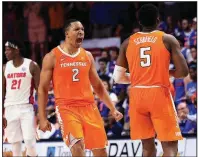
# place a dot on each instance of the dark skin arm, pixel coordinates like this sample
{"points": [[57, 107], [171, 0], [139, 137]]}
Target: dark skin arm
{"points": [[122, 60], [35, 71], [3, 96], [45, 78], [181, 68], [4, 85]]}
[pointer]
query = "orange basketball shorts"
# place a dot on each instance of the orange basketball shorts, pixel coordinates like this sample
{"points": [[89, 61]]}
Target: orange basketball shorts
{"points": [[152, 112], [82, 122]]}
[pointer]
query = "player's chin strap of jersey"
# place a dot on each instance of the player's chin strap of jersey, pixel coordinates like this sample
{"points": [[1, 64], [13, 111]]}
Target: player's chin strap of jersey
{"points": [[120, 75]]}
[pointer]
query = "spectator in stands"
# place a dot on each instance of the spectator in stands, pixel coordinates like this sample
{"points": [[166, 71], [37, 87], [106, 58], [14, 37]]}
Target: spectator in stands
{"points": [[194, 101], [105, 54], [37, 30], [56, 19], [193, 35], [193, 51], [9, 22], [170, 25], [178, 29], [104, 111], [113, 57], [125, 105], [180, 93], [186, 125], [162, 26], [185, 51], [192, 87], [186, 31], [51, 99], [102, 67]]}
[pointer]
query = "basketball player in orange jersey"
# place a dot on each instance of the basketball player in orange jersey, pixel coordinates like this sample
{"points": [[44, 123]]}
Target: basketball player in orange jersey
{"points": [[73, 72], [147, 56]]}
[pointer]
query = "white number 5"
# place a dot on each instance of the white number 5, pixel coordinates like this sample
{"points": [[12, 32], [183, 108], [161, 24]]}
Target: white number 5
{"points": [[146, 63], [76, 72]]}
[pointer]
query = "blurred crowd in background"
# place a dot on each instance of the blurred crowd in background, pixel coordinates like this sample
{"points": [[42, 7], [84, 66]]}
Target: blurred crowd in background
{"points": [[40, 26]]}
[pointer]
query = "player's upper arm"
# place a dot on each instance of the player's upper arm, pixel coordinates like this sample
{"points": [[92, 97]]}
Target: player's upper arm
{"points": [[176, 55], [93, 75], [4, 81], [47, 71], [122, 60], [35, 71]]}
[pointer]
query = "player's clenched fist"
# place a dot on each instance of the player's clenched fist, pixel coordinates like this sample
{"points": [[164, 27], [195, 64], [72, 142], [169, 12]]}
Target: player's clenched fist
{"points": [[117, 115], [45, 125]]}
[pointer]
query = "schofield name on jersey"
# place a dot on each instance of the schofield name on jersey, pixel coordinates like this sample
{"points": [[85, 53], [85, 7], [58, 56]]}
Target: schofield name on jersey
{"points": [[16, 75], [83, 64], [144, 39]]}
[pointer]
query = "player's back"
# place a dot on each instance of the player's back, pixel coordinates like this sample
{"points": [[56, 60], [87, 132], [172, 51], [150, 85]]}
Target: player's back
{"points": [[71, 78], [19, 85], [148, 59]]}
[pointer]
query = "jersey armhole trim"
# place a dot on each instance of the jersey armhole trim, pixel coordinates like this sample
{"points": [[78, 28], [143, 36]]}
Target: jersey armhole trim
{"points": [[164, 46]]}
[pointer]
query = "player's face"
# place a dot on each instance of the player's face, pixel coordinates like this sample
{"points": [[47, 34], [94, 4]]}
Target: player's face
{"points": [[10, 53], [75, 34]]}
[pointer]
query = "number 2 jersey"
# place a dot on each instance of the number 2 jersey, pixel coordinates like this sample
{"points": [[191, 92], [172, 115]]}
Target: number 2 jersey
{"points": [[19, 84], [148, 59], [71, 78]]}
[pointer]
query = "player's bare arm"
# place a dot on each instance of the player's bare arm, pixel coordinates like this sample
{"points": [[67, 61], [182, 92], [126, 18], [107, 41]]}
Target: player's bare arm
{"points": [[181, 68], [3, 95], [100, 90], [35, 71], [120, 74], [45, 78]]}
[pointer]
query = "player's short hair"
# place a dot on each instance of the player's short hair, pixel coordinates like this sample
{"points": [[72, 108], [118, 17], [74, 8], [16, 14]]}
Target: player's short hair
{"points": [[16, 44], [148, 15], [68, 23]]}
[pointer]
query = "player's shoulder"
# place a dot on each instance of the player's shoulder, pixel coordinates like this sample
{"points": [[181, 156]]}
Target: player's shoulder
{"points": [[168, 37], [169, 40], [4, 67], [88, 54], [7, 64]]}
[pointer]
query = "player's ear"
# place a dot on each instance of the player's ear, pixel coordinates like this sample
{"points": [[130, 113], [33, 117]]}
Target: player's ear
{"points": [[66, 33]]}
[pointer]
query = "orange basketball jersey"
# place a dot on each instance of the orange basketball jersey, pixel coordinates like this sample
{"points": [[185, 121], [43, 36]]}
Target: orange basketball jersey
{"points": [[148, 59], [71, 78]]}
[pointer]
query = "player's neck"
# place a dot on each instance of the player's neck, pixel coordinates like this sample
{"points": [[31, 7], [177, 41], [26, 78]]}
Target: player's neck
{"points": [[18, 61], [148, 29], [69, 49]]}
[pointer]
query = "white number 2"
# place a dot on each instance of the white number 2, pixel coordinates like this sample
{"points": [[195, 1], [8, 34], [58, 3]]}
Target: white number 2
{"points": [[146, 63], [75, 73]]}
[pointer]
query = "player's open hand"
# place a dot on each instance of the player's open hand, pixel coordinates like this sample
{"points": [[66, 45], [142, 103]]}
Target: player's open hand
{"points": [[45, 125], [117, 115], [4, 123]]}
